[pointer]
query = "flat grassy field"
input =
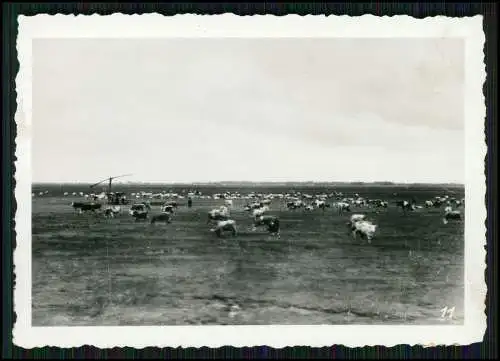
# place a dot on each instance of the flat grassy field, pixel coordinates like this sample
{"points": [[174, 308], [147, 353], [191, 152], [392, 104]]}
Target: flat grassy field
{"points": [[88, 270]]}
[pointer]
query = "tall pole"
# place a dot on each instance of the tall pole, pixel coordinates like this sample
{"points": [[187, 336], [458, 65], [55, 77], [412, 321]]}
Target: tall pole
{"points": [[109, 188]]}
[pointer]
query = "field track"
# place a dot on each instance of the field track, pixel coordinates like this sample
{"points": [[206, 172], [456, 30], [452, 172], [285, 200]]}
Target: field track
{"points": [[88, 270]]}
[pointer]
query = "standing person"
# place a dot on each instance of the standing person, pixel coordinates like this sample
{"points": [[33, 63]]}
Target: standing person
{"points": [[190, 202]]}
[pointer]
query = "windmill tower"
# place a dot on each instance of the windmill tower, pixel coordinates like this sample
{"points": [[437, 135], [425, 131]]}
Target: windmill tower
{"points": [[112, 197]]}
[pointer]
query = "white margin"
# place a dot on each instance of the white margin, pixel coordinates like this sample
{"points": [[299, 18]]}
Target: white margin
{"points": [[229, 25]]}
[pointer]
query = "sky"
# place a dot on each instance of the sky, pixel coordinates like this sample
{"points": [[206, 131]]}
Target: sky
{"points": [[236, 109]]}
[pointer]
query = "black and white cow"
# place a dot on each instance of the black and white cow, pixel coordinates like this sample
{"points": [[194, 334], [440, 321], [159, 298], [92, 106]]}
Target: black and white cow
{"points": [[295, 204], [140, 211], [111, 212], [380, 203], [406, 205]]}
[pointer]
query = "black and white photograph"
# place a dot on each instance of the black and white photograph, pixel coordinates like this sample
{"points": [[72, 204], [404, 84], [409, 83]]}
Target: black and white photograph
{"points": [[299, 174]]}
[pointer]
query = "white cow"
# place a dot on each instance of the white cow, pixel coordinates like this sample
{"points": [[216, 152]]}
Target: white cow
{"points": [[221, 214], [255, 205], [225, 225], [102, 196], [357, 217], [260, 211], [320, 204], [265, 202], [343, 207], [365, 229]]}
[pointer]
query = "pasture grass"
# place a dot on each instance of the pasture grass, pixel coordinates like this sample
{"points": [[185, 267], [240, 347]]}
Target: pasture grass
{"points": [[88, 270]]}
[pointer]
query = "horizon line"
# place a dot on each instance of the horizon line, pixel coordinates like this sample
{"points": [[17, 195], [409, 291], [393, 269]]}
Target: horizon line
{"points": [[254, 182]]}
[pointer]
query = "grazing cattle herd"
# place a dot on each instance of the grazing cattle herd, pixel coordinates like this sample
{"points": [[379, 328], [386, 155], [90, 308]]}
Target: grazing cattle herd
{"points": [[259, 206]]}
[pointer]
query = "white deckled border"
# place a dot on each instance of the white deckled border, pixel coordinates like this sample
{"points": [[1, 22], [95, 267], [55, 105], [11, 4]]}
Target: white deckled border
{"points": [[229, 25]]}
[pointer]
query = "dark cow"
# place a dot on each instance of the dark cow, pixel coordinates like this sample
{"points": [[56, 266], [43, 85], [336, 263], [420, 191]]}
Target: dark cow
{"points": [[437, 203], [77, 205], [108, 213], [140, 207], [452, 215], [164, 217], [86, 207], [139, 215], [406, 206], [92, 207], [271, 222], [379, 203]]}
